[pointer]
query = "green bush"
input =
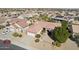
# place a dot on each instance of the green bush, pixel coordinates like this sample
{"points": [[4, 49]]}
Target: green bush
{"points": [[37, 40], [64, 24], [44, 17], [61, 34], [15, 34], [38, 36], [2, 26], [20, 35], [58, 44]]}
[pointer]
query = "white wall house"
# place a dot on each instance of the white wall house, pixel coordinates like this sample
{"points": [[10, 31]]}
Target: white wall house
{"points": [[19, 25], [37, 27], [31, 34]]}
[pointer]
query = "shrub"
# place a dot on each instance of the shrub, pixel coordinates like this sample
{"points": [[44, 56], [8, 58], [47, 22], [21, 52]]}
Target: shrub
{"points": [[43, 31], [38, 36], [20, 35], [37, 40], [54, 43], [15, 34], [2, 26], [61, 35], [58, 44], [64, 24]]}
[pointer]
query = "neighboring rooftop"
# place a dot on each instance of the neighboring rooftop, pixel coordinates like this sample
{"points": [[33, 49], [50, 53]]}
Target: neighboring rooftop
{"points": [[21, 22]]}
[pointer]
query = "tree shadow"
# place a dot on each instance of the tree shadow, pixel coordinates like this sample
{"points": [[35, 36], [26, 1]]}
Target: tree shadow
{"points": [[50, 35]]}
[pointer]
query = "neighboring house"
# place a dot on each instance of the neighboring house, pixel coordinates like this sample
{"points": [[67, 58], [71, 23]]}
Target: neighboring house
{"points": [[37, 27], [69, 18], [66, 18], [23, 16], [18, 24], [75, 29], [29, 15], [13, 14]]}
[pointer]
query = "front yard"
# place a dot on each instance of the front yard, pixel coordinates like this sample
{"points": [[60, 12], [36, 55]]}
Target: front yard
{"points": [[45, 42]]}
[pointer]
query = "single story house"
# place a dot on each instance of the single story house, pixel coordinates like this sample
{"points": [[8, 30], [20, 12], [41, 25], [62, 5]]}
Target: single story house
{"points": [[23, 16], [18, 24], [66, 18], [37, 27], [69, 18]]}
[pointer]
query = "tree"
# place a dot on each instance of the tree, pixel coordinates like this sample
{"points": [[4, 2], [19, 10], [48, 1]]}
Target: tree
{"points": [[44, 17], [61, 33], [37, 40], [20, 35], [15, 34], [2, 26], [64, 24]]}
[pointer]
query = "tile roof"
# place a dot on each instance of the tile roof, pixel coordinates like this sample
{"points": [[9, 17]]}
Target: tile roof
{"points": [[40, 25], [21, 22]]}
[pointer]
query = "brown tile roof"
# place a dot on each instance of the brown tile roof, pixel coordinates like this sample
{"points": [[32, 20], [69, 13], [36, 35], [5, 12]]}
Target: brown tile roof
{"points": [[21, 22], [42, 24]]}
